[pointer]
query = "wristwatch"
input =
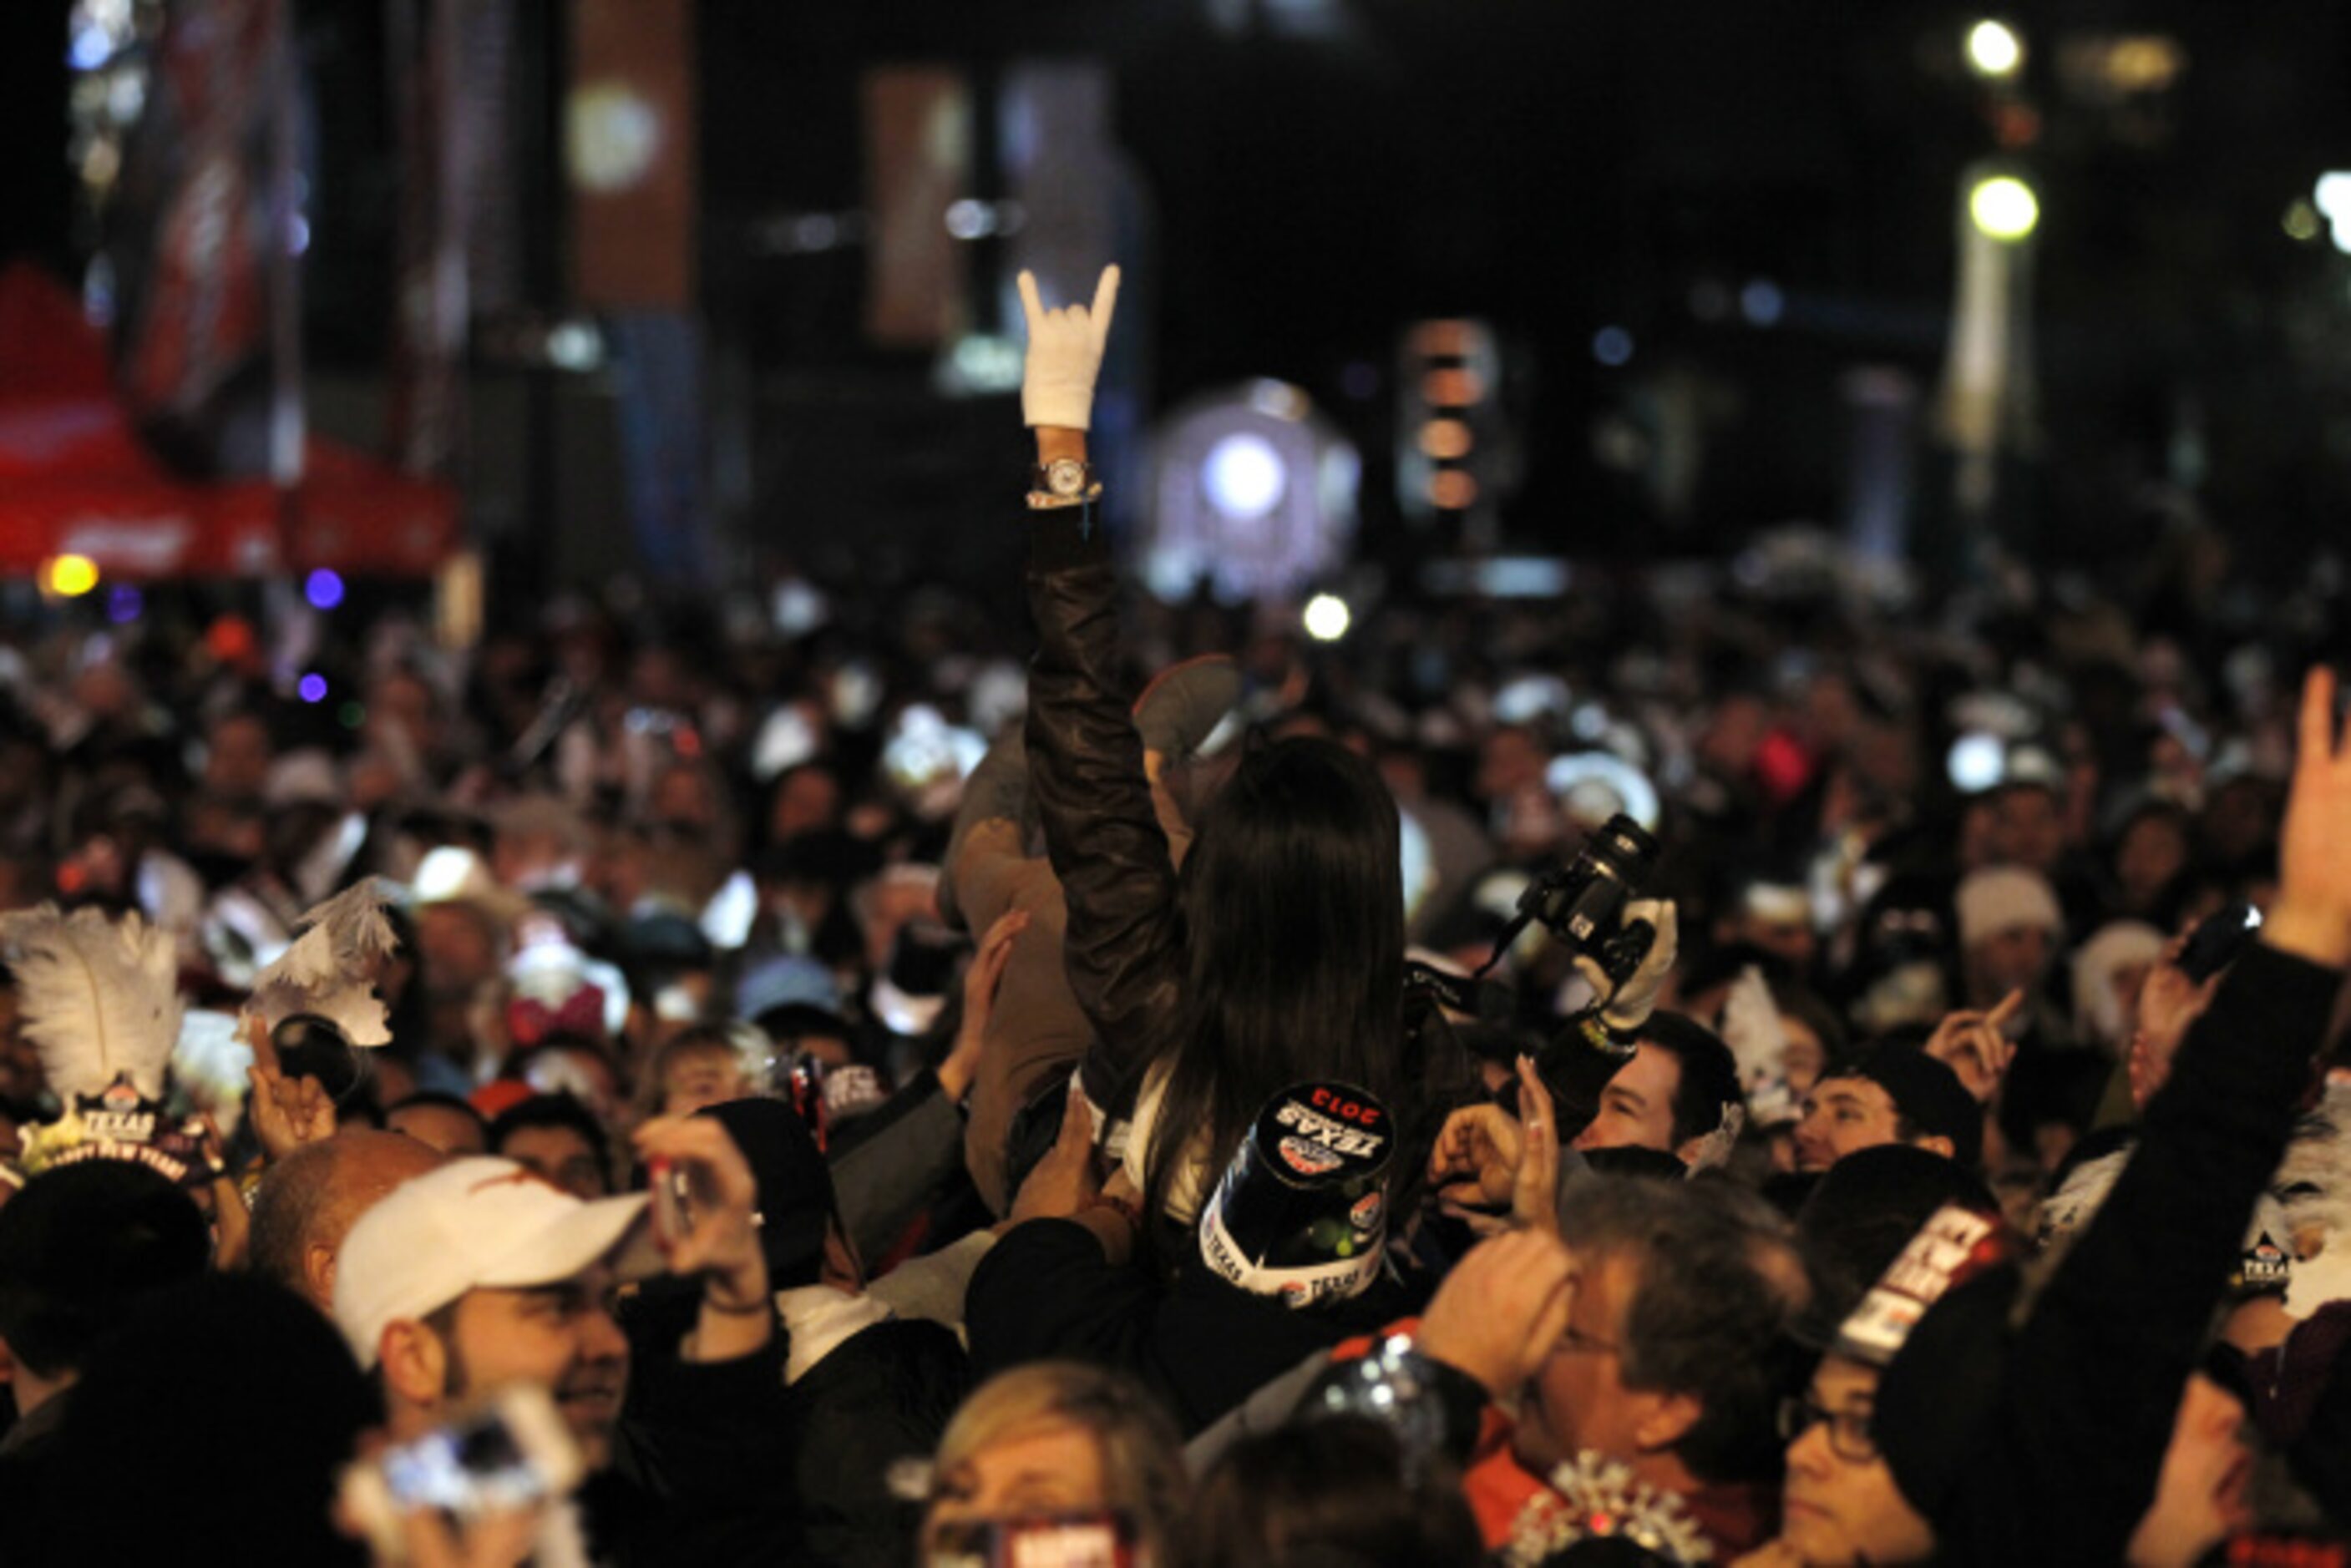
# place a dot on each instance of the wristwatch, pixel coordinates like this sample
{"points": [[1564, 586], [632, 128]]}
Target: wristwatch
{"points": [[1064, 482]]}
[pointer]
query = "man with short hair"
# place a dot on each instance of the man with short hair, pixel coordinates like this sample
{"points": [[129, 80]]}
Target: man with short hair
{"points": [[308, 1201], [1653, 1339], [442, 1121], [558, 1136], [1678, 1091], [1898, 1094], [479, 1274]]}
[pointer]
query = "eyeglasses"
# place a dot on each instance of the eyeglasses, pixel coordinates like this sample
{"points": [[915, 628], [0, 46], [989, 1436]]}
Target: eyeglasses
{"points": [[1850, 1437], [1576, 1341]]}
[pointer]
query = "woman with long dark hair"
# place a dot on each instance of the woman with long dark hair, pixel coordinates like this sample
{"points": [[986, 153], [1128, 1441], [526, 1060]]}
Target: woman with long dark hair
{"points": [[1252, 1063], [1292, 909], [1277, 956], [1271, 1093]]}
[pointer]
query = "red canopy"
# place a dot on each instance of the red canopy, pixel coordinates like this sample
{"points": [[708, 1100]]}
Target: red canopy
{"points": [[75, 479]]}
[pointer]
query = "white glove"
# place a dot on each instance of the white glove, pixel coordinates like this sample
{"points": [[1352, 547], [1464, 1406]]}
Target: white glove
{"points": [[1625, 1008], [1065, 352]]}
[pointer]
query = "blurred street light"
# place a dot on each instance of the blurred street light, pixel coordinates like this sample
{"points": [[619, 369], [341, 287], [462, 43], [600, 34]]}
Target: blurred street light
{"points": [[2004, 207], [1327, 617], [2334, 197], [1994, 50], [71, 576]]}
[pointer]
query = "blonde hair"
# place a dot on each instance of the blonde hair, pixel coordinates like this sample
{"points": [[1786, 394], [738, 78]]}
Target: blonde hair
{"points": [[698, 1040], [1141, 1454]]}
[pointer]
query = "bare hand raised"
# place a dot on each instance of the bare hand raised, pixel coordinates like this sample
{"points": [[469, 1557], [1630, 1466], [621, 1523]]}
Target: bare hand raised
{"points": [[2313, 915], [1976, 1046]]}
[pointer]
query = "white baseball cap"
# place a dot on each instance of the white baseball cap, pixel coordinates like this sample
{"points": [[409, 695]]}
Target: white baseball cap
{"points": [[472, 1224]]}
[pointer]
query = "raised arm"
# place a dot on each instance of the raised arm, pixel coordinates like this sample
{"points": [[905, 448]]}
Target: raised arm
{"points": [[1122, 951], [2100, 1367]]}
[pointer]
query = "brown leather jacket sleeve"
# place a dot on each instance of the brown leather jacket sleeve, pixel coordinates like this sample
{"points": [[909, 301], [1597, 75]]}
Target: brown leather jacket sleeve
{"points": [[1123, 951]]}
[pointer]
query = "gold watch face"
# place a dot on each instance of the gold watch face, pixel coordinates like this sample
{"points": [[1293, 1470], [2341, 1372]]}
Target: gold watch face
{"points": [[1065, 476]]}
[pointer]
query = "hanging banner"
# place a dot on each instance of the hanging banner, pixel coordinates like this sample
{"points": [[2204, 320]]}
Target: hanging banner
{"points": [[629, 152], [918, 164], [204, 282]]}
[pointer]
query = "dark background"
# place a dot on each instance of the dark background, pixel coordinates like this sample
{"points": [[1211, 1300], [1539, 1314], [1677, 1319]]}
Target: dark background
{"points": [[1324, 173]]}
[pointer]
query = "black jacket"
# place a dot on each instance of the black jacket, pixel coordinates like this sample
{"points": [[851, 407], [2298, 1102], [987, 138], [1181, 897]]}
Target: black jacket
{"points": [[1201, 1344], [700, 1444], [883, 1396], [1123, 950], [2080, 1401]]}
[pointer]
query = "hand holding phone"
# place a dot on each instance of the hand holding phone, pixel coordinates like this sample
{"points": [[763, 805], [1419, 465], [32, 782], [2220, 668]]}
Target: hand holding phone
{"points": [[672, 1205], [705, 1207], [503, 1458]]}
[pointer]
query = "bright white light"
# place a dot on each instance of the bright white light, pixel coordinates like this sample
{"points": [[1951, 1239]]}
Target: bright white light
{"points": [[90, 49], [574, 346], [1978, 761], [2333, 199], [611, 136], [2004, 207], [981, 363], [1328, 618], [970, 220], [1994, 50], [1244, 476], [446, 874]]}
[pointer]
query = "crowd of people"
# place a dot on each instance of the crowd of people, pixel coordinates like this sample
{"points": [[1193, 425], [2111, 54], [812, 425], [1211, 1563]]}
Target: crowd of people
{"points": [[1733, 1068]]}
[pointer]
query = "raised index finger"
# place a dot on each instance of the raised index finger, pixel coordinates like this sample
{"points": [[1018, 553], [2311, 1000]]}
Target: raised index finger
{"points": [[258, 1038], [2317, 717], [1077, 1120], [1030, 305], [2007, 1008], [1534, 1094]]}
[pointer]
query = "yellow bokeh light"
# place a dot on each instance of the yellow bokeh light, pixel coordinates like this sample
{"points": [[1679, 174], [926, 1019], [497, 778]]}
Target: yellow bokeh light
{"points": [[71, 576], [1327, 617], [2004, 207], [1994, 50]]}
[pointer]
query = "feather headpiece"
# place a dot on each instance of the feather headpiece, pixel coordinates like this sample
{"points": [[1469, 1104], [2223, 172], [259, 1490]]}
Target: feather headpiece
{"points": [[329, 970], [101, 1005], [100, 998]]}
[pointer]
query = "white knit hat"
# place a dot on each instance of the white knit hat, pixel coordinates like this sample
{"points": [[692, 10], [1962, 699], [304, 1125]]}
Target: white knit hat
{"points": [[2002, 898], [2118, 945]]}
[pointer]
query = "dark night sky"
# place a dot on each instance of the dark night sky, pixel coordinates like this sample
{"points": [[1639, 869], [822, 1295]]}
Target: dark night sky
{"points": [[1557, 165]]}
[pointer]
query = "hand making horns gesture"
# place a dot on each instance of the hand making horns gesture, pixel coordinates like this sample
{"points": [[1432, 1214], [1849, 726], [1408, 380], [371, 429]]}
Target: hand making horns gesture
{"points": [[1065, 353]]}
